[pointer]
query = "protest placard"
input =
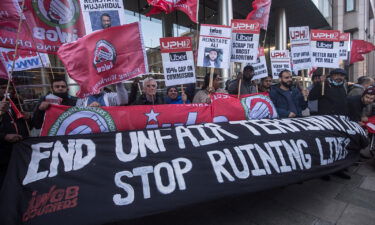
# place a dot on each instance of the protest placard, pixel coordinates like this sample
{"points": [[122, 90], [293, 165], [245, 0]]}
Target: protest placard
{"points": [[178, 60], [344, 45], [260, 67], [24, 59], [300, 47], [214, 46], [99, 15], [280, 60], [245, 41], [325, 48]]}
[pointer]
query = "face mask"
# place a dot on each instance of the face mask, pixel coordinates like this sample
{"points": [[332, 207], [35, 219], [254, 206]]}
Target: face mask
{"points": [[61, 95], [335, 83]]}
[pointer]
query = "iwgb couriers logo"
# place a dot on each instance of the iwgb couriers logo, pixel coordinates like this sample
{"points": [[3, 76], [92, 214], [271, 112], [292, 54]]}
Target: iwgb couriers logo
{"points": [[52, 201], [104, 56], [87, 120], [57, 13]]}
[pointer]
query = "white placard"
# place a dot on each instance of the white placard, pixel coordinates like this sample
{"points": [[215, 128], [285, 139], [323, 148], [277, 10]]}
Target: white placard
{"points": [[344, 45], [280, 60], [325, 48], [260, 67], [99, 15], [24, 60], [300, 47], [245, 41], [214, 46], [178, 60]]}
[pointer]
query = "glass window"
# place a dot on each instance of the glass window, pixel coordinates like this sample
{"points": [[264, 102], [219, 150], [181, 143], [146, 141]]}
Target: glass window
{"points": [[349, 5]]}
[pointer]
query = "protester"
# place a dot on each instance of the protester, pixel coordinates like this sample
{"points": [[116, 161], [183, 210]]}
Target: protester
{"points": [[265, 84], [174, 98], [362, 84], [13, 128], [288, 100], [313, 104], [334, 100], [150, 95], [59, 96], [105, 99], [357, 103], [247, 87], [203, 96]]}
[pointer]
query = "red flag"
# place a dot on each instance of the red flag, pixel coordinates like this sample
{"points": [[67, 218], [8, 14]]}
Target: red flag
{"points": [[360, 47], [260, 12], [9, 9], [189, 7], [105, 57], [48, 25]]}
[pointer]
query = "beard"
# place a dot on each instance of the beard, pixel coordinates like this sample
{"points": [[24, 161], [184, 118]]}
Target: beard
{"points": [[286, 84]]}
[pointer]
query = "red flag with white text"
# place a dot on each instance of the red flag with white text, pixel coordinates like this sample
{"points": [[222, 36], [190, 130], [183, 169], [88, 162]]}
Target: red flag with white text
{"points": [[189, 7], [105, 57], [360, 47], [48, 24], [260, 12], [9, 9]]}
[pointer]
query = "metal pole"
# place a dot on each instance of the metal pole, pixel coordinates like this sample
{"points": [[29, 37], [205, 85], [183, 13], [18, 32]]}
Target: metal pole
{"points": [[225, 16], [281, 30]]}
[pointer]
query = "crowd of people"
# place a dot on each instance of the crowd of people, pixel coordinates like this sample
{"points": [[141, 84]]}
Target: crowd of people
{"points": [[327, 95]]}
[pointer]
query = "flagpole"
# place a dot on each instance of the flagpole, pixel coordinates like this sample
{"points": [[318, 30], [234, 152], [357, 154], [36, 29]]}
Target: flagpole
{"points": [[15, 53]]}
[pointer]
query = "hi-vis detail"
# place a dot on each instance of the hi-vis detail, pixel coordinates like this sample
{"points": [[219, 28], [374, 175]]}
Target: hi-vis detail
{"points": [[105, 56]]}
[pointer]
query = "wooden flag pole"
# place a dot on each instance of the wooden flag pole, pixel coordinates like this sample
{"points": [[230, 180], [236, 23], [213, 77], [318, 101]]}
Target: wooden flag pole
{"points": [[212, 71], [324, 81], [183, 92], [304, 83], [239, 88]]}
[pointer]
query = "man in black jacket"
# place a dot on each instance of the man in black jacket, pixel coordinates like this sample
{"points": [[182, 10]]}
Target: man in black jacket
{"points": [[357, 103], [58, 96], [334, 100], [13, 128]]}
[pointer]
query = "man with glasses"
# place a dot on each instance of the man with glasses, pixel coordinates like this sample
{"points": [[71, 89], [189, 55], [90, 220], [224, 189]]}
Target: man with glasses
{"points": [[150, 95], [59, 96]]}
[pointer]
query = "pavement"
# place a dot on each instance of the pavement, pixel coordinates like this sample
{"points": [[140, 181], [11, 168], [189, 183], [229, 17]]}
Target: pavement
{"points": [[314, 202]]}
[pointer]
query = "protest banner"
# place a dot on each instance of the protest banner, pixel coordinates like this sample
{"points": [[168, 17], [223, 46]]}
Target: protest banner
{"points": [[103, 58], [214, 46], [178, 60], [99, 15], [300, 47], [245, 41], [344, 45], [325, 48], [10, 9], [260, 12], [189, 7], [48, 24], [280, 60], [64, 120], [24, 59], [119, 176]]}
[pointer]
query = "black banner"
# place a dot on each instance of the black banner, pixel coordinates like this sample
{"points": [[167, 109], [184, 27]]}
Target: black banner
{"points": [[101, 178]]}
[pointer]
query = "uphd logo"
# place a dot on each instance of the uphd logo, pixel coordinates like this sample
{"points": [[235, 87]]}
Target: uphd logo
{"points": [[178, 56], [176, 44], [279, 55], [215, 31], [298, 34], [324, 44], [327, 36], [245, 26], [104, 56]]}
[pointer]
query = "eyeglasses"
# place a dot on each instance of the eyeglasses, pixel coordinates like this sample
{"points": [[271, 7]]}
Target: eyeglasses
{"points": [[59, 86]]}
